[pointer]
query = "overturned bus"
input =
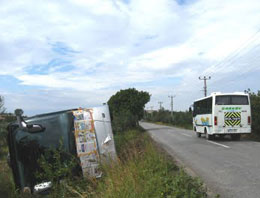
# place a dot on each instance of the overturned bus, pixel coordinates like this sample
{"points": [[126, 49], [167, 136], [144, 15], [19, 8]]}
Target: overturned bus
{"points": [[84, 133]]}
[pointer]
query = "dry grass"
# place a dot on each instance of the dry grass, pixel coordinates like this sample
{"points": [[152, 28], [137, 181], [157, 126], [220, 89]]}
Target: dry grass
{"points": [[7, 188], [141, 171]]}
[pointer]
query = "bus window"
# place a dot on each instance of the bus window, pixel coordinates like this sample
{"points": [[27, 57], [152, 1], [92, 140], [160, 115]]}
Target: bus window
{"points": [[222, 100], [203, 106], [239, 100], [209, 105], [231, 100]]}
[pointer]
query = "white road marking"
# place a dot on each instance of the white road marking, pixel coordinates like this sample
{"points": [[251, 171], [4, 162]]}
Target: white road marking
{"points": [[218, 144], [186, 135]]}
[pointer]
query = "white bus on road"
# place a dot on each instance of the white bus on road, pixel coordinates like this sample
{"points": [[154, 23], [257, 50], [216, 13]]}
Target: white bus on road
{"points": [[222, 114]]}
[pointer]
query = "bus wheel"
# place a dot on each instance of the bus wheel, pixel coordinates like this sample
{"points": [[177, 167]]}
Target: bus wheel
{"points": [[198, 134], [236, 136], [208, 136]]}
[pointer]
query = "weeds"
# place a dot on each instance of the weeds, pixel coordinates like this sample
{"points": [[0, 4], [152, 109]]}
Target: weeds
{"points": [[7, 187], [139, 172], [142, 171], [56, 164]]}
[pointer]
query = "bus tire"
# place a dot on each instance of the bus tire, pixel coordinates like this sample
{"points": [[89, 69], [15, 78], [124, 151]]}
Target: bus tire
{"points": [[208, 136], [198, 134]]}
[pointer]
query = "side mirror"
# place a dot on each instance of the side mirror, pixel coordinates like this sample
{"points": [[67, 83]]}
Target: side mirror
{"points": [[18, 112], [31, 128], [190, 109], [35, 128]]}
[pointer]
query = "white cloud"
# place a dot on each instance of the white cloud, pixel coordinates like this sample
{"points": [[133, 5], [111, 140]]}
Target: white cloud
{"points": [[163, 58], [113, 45]]}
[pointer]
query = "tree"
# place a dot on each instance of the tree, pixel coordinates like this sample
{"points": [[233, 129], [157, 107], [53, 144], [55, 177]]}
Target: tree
{"points": [[127, 108], [255, 108]]}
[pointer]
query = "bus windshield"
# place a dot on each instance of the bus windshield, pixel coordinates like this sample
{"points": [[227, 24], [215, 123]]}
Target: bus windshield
{"points": [[231, 100]]}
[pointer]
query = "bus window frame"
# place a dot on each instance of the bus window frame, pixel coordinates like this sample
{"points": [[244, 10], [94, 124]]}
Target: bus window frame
{"points": [[203, 108], [230, 102]]}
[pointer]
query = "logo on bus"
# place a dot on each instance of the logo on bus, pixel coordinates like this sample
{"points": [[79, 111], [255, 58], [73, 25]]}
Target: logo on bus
{"points": [[231, 108], [232, 118], [205, 121]]}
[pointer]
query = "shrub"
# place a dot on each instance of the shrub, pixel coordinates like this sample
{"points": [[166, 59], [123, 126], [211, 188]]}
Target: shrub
{"points": [[56, 164], [127, 108], [255, 108], [123, 121], [181, 119]]}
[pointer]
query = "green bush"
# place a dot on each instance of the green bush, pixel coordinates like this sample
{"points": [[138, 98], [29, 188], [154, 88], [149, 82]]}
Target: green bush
{"points": [[123, 121], [3, 133], [55, 164], [127, 108], [180, 119], [255, 108], [3, 142]]}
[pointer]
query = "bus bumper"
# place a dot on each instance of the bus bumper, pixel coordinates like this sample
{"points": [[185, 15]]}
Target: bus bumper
{"points": [[241, 130]]}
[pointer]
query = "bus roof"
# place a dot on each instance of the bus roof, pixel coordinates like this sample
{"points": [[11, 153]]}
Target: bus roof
{"points": [[222, 94]]}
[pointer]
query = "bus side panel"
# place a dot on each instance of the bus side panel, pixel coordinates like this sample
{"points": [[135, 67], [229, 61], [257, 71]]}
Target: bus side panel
{"points": [[203, 122]]}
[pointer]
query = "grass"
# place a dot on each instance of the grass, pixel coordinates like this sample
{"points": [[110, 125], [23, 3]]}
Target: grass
{"points": [[7, 187], [140, 171]]}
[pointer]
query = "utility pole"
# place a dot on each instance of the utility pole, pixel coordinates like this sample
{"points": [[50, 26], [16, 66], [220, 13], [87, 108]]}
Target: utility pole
{"points": [[171, 96], [205, 78], [160, 103], [151, 111]]}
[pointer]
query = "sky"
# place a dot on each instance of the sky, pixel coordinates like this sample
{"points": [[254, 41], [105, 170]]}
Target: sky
{"points": [[62, 54]]}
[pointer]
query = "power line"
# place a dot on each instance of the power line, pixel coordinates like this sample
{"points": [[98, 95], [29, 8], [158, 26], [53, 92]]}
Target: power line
{"points": [[234, 60], [237, 52]]}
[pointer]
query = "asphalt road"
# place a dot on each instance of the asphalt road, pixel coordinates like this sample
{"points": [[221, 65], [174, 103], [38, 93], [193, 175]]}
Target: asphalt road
{"points": [[229, 168]]}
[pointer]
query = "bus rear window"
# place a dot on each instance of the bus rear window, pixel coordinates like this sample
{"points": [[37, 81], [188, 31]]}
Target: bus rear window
{"points": [[232, 100]]}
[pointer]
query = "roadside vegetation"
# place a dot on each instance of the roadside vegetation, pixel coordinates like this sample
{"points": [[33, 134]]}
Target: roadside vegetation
{"points": [[255, 110], [7, 188], [141, 169], [182, 119]]}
